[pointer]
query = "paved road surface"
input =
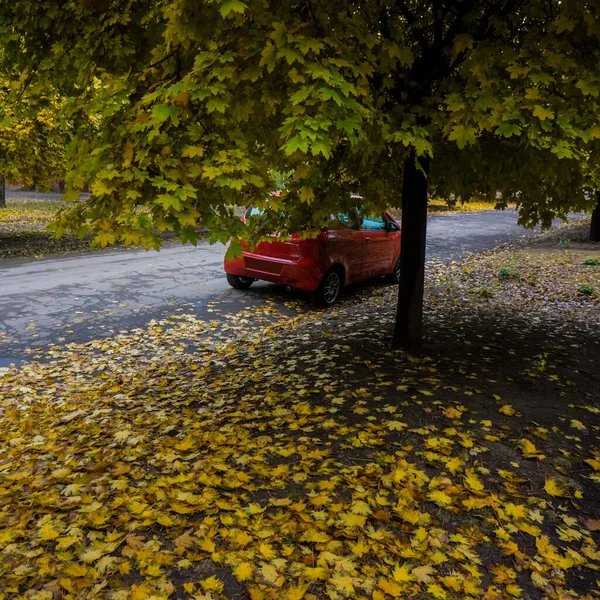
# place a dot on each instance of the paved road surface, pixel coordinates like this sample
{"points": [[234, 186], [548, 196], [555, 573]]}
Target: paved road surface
{"points": [[84, 296]]}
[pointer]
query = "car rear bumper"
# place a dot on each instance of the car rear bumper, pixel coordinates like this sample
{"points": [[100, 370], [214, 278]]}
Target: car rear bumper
{"points": [[304, 274]]}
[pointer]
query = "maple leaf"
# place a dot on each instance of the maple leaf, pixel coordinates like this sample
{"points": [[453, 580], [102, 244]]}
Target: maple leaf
{"points": [[423, 574], [359, 507], [267, 551], [75, 570], [90, 555], [243, 571], [507, 409], [552, 487], [344, 583], [48, 532], [352, 520], [472, 481], [212, 584], [270, 574], [390, 587], [402, 574], [440, 498]]}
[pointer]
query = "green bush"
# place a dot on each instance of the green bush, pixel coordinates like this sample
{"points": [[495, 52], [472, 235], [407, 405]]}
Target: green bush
{"points": [[590, 261], [509, 272], [564, 242], [587, 290]]}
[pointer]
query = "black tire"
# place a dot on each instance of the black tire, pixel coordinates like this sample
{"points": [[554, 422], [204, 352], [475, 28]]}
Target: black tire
{"points": [[394, 277], [239, 283], [330, 287]]}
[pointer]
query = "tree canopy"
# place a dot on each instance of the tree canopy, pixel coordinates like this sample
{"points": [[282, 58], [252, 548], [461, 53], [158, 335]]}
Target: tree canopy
{"points": [[199, 104]]}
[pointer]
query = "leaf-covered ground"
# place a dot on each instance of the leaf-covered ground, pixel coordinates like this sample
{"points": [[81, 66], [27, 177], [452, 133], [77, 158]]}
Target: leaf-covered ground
{"points": [[264, 456], [437, 205]]}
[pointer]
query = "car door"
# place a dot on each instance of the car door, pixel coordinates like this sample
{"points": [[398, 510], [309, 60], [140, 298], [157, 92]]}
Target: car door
{"points": [[378, 245], [348, 245]]}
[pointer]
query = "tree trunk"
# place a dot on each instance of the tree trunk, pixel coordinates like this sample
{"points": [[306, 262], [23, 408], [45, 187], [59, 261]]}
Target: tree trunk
{"points": [[2, 192], [595, 226], [409, 314]]}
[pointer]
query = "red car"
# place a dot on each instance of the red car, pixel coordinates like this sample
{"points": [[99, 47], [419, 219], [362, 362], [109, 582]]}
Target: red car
{"points": [[354, 247]]}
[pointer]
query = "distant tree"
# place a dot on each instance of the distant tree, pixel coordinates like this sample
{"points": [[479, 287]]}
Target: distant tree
{"points": [[32, 150], [200, 103]]}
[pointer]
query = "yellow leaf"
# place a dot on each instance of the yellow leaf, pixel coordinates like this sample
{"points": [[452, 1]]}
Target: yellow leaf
{"points": [[75, 570], [269, 573], [242, 538], [314, 536], [472, 481], [440, 498], [578, 425], [453, 464], [390, 587], [295, 592], [154, 570], [508, 410], [538, 580], [594, 463], [266, 550], [316, 572], [437, 591], [106, 563], [552, 488], [360, 508], [243, 571], [212, 584], [452, 413], [423, 574], [207, 545], [90, 555], [351, 520], [529, 449], [396, 425], [47, 532], [344, 583], [516, 511], [359, 548], [402, 574]]}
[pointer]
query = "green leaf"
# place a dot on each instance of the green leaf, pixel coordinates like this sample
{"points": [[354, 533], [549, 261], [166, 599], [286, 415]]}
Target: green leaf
{"points": [[307, 194], [232, 6], [296, 143], [587, 88], [162, 112], [542, 113], [192, 151], [331, 94], [104, 238], [234, 251], [268, 57], [321, 146], [462, 135], [508, 129]]}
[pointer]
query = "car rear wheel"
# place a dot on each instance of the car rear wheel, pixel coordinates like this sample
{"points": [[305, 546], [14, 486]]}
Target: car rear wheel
{"points": [[329, 289], [394, 276], [238, 282]]}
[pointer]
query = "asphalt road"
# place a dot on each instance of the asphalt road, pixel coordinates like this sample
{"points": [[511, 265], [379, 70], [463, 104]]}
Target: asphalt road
{"points": [[84, 296]]}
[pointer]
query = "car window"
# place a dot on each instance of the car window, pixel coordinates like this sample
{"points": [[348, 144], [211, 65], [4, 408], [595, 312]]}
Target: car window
{"points": [[372, 223], [348, 220]]}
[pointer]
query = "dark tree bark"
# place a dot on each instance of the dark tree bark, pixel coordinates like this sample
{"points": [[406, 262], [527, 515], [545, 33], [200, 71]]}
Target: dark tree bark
{"points": [[409, 314], [595, 226], [2, 192]]}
